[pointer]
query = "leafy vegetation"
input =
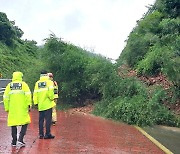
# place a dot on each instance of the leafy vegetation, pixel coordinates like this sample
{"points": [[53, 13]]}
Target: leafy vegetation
{"points": [[152, 48], [153, 45], [136, 106], [16, 54], [81, 74]]}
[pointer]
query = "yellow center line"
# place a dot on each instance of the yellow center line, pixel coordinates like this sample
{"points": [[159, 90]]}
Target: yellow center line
{"points": [[162, 147]]}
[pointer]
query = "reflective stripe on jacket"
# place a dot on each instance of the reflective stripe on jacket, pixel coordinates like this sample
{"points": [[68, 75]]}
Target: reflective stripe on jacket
{"points": [[44, 93], [17, 99], [55, 90]]}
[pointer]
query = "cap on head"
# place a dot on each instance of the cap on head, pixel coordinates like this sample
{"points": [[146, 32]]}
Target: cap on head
{"points": [[43, 72]]}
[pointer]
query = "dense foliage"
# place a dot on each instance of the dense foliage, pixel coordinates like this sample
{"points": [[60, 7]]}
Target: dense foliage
{"points": [[8, 31], [16, 54], [154, 44], [131, 102], [152, 48], [81, 74]]}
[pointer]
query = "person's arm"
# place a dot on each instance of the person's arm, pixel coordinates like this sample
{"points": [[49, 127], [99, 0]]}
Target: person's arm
{"points": [[28, 96], [57, 88], [35, 97], [6, 98], [51, 90]]}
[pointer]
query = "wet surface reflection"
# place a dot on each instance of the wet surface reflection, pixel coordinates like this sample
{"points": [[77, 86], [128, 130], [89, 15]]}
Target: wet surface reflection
{"points": [[78, 133]]}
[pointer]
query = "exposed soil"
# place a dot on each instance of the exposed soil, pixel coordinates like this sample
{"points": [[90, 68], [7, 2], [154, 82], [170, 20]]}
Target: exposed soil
{"points": [[159, 80], [84, 110]]}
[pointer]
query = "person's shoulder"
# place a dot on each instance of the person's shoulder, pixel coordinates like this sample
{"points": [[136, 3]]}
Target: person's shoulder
{"points": [[38, 80], [49, 81], [8, 85], [24, 83]]}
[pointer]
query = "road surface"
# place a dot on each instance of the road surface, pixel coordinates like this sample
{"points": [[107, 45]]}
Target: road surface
{"points": [[78, 133]]}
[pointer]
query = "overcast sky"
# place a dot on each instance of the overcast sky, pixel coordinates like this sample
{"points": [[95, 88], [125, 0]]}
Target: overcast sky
{"points": [[101, 26]]}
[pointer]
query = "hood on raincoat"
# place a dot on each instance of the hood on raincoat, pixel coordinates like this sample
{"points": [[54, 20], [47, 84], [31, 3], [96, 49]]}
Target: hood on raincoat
{"points": [[17, 76]]}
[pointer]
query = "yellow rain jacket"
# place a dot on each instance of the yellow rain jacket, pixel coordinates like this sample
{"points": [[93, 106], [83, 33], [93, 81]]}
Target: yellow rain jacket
{"points": [[17, 99], [44, 94]]}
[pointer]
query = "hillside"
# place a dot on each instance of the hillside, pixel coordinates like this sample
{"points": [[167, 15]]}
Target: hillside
{"points": [[153, 49], [17, 54], [153, 81], [148, 89]]}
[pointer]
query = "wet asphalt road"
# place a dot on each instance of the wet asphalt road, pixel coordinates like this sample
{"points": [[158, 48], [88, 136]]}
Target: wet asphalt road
{"points": [[78, 133], [168, 136]]}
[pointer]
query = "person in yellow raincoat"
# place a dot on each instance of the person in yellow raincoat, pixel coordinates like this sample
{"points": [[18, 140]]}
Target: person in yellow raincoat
{"points": [[43, 96], [17, 102], [54, 113]]}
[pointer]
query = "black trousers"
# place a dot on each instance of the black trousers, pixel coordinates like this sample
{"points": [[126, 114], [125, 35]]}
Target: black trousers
{"points": [[22, 132], [45, 116]]}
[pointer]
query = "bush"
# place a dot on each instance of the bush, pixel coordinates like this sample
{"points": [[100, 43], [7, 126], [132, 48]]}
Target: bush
{"points": [[127, 87], [81, 75], [139, 109]]}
